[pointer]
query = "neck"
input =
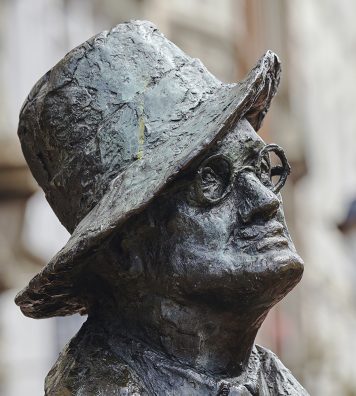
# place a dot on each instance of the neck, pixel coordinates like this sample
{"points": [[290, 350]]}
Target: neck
{"points": [[214, 342]]}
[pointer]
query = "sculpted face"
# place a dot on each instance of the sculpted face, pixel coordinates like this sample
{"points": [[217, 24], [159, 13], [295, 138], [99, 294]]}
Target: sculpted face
{"points": [[223, 239]]}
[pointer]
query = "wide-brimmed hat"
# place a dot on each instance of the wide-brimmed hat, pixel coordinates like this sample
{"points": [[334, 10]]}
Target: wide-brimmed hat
{"points": [[109, 126]]}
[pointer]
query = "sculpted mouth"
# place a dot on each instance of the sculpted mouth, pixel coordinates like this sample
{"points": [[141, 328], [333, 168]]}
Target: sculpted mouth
{"points": [[262, 237], [271, 242]]}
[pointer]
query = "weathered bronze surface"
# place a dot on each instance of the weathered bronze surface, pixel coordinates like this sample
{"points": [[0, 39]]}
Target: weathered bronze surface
{"points": [[179, 246]]}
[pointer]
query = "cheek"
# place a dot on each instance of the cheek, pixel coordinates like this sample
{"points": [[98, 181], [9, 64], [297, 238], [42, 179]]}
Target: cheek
{"points": [[195, 241], [202, 228]]}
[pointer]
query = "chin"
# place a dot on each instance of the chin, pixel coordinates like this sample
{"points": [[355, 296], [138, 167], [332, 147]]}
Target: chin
{"points": [[263, 279], [278, 272], [234, 281], [283, 262]]}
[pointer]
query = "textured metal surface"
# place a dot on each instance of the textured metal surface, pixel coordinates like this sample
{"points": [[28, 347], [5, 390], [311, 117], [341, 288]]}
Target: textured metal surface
{"points": [[158, 108], [179, 246]]}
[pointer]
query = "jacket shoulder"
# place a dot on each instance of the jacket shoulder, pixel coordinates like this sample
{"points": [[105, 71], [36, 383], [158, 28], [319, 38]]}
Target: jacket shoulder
{"points": [[279, 379], [86, 366]]}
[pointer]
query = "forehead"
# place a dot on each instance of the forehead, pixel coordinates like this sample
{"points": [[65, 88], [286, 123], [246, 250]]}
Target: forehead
{"points": [[240, 142]]}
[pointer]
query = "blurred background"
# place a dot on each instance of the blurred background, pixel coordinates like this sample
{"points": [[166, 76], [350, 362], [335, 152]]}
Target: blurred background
{"points": [[312, 117]]}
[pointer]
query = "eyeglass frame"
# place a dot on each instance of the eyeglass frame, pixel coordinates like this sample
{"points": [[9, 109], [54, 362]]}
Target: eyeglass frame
{"points": [[282, 170]]}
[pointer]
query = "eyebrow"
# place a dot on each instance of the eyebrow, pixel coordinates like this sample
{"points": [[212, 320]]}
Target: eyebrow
{"points": [[246, 155]]}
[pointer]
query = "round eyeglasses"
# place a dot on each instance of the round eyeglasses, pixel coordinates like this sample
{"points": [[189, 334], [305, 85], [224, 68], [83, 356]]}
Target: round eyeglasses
{"points": [[217, 174]]}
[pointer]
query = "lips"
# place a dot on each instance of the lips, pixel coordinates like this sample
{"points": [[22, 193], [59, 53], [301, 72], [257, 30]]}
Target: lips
{"points": [[262, 237], [271, 242], [259, 231]]}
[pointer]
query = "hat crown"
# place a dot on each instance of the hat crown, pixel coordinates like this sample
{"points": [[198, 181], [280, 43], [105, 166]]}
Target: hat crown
{"points": [[105, 105]]}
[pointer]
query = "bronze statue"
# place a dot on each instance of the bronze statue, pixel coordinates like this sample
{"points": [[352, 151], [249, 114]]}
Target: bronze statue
{"points": [[179, 246]]}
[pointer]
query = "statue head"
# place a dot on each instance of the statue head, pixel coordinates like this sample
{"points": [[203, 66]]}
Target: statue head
{"points": [[216, 236], [156, 169]]}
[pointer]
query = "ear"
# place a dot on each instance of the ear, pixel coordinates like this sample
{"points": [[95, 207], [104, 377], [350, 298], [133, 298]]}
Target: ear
{"points": [[137, 243], [151, 219]]}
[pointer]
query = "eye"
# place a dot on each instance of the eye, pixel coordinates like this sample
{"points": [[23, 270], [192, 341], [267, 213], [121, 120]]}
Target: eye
{"points": [[213, 179], [265, 171], [277, 168], [273, 167]]}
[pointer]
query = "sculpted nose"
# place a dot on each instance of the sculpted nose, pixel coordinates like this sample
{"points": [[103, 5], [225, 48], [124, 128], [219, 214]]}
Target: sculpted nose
{"points": [[255, 199]]}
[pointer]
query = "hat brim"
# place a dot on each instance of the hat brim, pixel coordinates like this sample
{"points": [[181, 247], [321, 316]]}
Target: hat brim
{"points": [[52, 292]]}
